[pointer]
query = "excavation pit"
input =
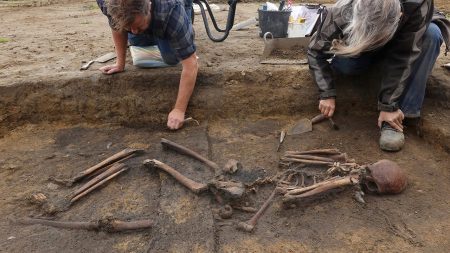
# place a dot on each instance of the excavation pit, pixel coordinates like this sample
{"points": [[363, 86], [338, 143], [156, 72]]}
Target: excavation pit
{"points": [[58, 122]]}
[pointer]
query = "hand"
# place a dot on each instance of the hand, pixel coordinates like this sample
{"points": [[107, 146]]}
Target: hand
{"points": [[327, 107], [175, 119], [111, 69], [394, 119]]}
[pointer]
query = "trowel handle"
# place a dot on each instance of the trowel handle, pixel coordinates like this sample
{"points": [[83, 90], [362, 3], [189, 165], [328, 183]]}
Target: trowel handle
{"points": [[318, 118], [86, 66]]}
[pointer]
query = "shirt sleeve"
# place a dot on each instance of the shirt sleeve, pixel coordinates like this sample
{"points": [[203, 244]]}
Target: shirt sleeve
{"points": [[318, 54], [102, 5], [179, 32]]}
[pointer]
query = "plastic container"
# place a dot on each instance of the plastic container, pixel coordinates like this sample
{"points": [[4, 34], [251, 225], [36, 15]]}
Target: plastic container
{"points": [[297, 28], [147, 57], [275, 22]]}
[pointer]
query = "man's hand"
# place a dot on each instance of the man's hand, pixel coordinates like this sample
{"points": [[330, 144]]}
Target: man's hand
{"points": [[175, 119], [327, 107], [392, 118], [111, 69], [120, 43]]}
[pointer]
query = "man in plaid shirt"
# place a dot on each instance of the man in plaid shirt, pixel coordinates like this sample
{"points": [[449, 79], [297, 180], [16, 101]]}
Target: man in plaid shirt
{"points": [[165, 23]]}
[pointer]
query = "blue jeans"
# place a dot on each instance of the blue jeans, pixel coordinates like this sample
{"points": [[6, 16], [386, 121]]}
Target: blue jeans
{"points": [[146, 39], [412, 98]]}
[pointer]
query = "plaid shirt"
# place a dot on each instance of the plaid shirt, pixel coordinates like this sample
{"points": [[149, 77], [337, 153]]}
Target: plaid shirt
{"points": [[170, 22]]}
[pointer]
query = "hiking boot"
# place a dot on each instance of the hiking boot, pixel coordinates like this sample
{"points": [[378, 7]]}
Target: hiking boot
{"points": [[391, 139]]}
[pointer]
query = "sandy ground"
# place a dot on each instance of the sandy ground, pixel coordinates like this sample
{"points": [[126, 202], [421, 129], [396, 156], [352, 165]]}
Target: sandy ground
{"points": [[44, 46], [54, 40]]}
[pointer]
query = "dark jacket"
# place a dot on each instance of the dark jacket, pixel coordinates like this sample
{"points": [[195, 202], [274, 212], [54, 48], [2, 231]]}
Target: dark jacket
{"points": [[399, 53], [444, 25]]}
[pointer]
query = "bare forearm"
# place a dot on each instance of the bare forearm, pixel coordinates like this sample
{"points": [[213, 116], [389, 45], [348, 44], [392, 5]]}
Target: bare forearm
{"points": [[187, 82], [120, 43]]}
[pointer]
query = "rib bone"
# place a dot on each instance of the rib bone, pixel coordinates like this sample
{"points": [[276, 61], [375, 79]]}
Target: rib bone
{"points": [[310, 157], [332, 151]]}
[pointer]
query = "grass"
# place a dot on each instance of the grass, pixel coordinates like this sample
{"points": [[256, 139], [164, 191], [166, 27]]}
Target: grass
{"points": [[91, 7], [86, 22], [3, 40]]}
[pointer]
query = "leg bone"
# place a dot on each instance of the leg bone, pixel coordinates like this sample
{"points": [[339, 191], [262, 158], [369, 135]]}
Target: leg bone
{"points": [[189, 183]]}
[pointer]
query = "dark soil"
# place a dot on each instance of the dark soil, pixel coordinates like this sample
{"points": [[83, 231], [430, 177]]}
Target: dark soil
{"points": [[58, 121]]}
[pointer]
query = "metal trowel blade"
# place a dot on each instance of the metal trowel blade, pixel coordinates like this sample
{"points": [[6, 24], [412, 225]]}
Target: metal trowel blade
{"points": [[102, 59], [106, 57], [302, 126]]}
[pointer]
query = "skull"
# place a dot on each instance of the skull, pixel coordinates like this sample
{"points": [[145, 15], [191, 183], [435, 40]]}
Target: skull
{"points": [[385, 177]]}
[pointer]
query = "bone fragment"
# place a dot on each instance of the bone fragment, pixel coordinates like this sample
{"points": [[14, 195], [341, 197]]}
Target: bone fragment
{"points": [[190, 119], [233, 190], [188, 183], [108, 225], [100, 171], [38, 198], [282, 136], [113, 169], [310, 157], [332, 151], [126, 153], [340, 157], [306, 161], [297, 191], [315, 162], [359, 197], [339, 182], [232, 166], [226, 212], [183, 150], [95, 186], [250, 225]]}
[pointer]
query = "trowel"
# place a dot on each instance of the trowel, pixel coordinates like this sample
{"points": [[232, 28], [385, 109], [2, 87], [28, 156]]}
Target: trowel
{"points": [[102, 59], [305, 125], [245, 24]]}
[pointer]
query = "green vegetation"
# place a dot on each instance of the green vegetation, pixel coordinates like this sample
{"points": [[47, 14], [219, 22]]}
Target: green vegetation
{"points": [[3, 40]]}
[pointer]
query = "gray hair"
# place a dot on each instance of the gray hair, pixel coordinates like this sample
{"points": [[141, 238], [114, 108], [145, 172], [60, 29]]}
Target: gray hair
{"points": [[123, 12], [372, 24]]}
